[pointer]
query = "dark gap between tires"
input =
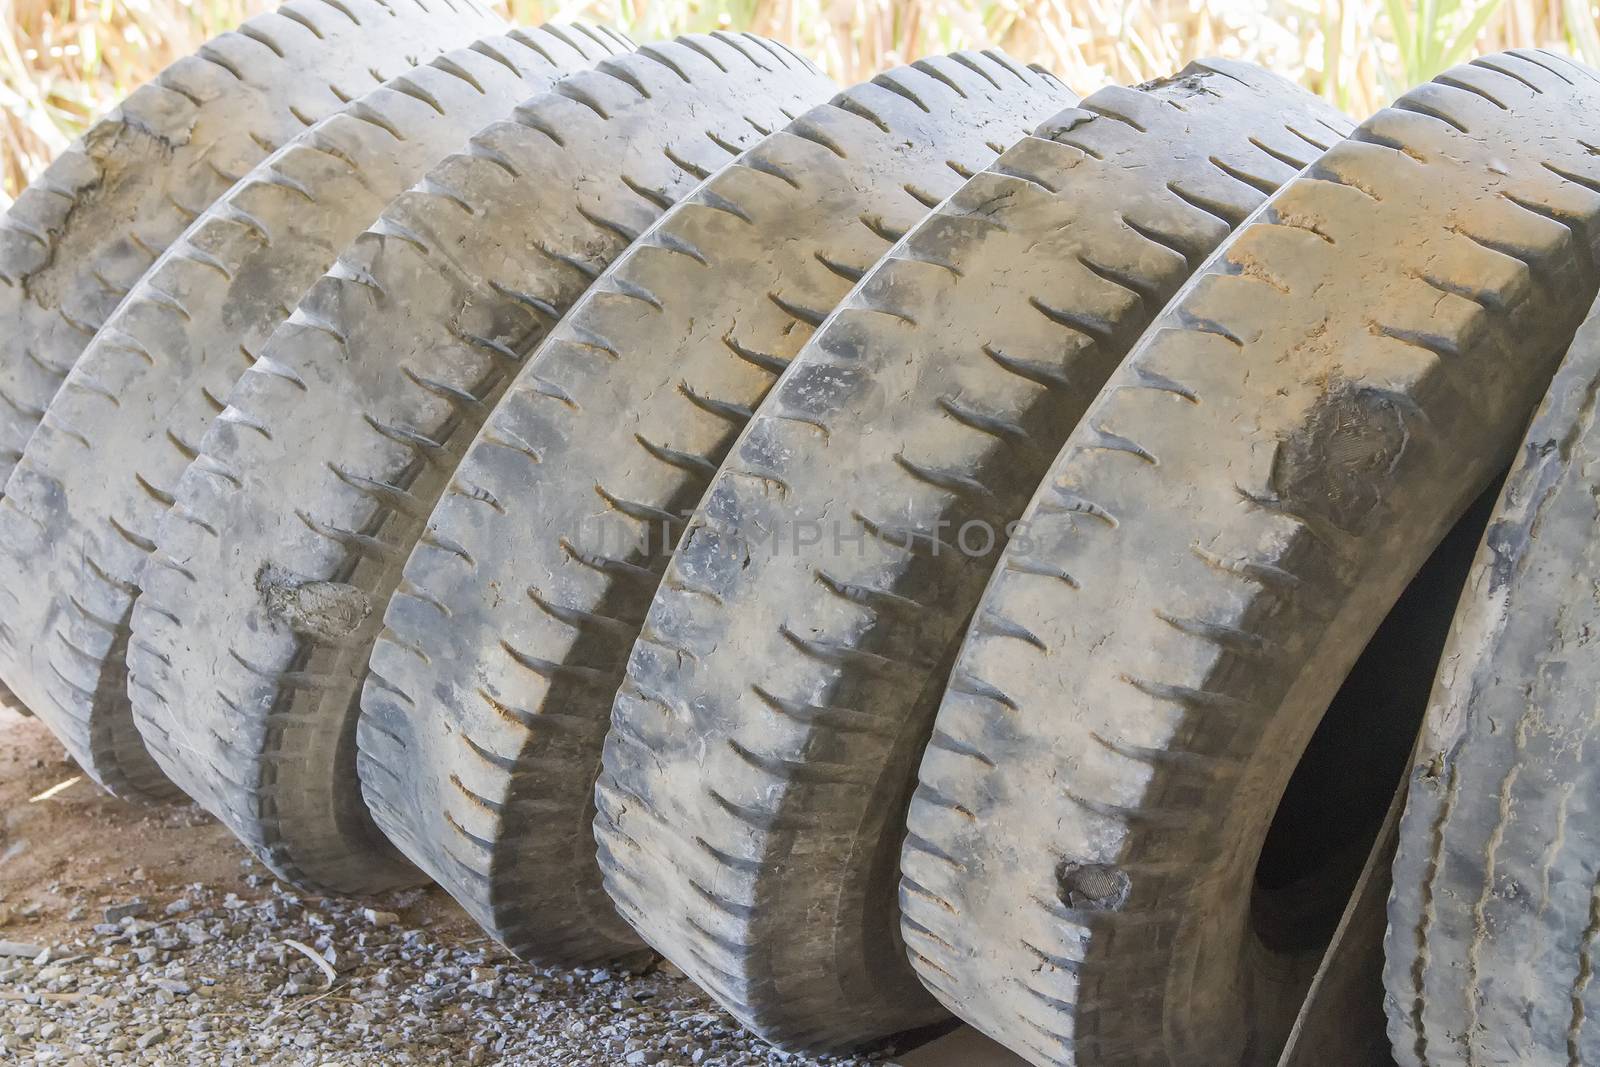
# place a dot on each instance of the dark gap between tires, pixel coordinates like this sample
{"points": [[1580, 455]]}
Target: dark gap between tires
{"points": [[1334, 806]]}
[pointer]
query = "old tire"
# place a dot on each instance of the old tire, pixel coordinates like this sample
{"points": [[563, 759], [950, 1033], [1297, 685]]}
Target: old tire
{"points": [[79, 236], [491, 690], [1492, 920], [82, 505], [273, 568], [1211, 550], [764, 745]]}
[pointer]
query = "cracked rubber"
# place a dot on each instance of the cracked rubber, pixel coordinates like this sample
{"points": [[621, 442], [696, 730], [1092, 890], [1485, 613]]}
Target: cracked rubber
{"points": [[764, 744], [1208, 555], [82, 506], [491, 687], [1495, 910], [82, 234], [273, 568]]}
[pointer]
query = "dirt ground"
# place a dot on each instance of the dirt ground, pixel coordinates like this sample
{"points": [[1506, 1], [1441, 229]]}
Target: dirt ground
{"points": [[64, 856]]}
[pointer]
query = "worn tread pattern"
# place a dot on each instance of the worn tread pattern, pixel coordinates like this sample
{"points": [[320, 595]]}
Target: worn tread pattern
{"points": [[82, 506], [1211, 550], [290, 527], [79, 237], [766, 738], [568, 513], [1491, 946]]}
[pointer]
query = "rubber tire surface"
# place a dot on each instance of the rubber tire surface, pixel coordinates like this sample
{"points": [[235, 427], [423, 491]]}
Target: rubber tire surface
{"points": [[1492, 921], [82, 506], [80, 235], [1223, 531], [290, 528], [766, 739], [522, 650]]}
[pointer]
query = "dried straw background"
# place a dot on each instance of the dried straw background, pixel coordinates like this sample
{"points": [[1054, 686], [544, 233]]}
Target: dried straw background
{"points": [[64, 62]]}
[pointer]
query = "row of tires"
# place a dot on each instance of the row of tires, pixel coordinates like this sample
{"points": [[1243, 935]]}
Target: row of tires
{"points": [[914, 531]]}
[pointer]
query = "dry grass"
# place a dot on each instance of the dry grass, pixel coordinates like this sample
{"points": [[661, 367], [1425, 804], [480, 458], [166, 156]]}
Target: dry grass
{"points": [[63, 62]]}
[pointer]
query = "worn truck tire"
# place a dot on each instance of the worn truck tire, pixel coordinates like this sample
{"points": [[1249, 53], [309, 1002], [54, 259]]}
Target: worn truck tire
{"points": [[78, 238], [491, 686], [82, 506], [1493, 918], [290, 528], [765, 742], [1209, 553]]}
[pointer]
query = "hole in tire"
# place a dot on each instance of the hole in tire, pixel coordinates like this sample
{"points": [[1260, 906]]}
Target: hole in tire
{"points": [[1329, 815]]}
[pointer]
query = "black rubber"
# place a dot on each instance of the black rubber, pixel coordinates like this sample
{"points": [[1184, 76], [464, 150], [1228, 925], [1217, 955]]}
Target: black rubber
{"points": [[82, 234], [1211, 550], [80, 511], [765, 743], [1495, 911], [289, 530], [491, 686]]}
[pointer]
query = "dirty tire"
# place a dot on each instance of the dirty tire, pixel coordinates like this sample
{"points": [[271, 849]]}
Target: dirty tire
{"points": [[82, 506], [290, 527], [1210, 552], [764, 744], [80, 236], [495, 719], [1494, 914]]}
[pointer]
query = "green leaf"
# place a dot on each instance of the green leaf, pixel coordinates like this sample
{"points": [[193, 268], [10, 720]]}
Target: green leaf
{"points": [[1469, 35], [1400, 23]]}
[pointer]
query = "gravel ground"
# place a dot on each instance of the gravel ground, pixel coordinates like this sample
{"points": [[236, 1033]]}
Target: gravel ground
{"points": [[212, 977], [111, 952]]}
